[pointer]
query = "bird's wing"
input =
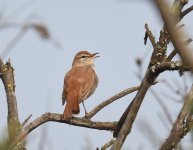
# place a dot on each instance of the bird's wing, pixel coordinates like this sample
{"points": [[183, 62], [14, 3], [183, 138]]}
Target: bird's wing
{"points": [[63, 98], [71, 81]]}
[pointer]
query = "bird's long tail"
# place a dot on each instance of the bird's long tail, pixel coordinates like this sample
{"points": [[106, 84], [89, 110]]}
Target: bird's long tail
{"points": [[72, 104]]}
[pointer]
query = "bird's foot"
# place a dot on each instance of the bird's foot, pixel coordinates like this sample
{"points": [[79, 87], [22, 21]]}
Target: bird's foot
{"points": [[86, 116]]}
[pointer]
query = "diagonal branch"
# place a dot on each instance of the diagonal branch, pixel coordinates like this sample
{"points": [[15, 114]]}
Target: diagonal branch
{"points": [[185, 12], [174, 52], [127, 119], [175, 35], [110, 100], [149, 34], [108, 144], [182, 125]]}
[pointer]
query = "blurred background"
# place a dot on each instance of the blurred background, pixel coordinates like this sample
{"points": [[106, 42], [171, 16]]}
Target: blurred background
{"points": [[41, 38]]}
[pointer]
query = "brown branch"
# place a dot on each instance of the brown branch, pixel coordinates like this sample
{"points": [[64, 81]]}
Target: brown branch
{"points": [[182, 125], [177, 7], [126, 121], [26, 120], [149, 34], [82, 122], [174, 52], [185, 12], [108, 144], [146, 83], [175, 35], [7, 76], [168, 66], [1, 65], [172, 55], [110, 100]]}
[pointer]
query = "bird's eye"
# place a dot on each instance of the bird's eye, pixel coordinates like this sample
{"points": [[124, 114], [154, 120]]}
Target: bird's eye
{"points": [[83, 56]]}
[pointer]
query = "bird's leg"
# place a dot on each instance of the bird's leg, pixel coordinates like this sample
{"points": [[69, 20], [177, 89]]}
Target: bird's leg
{"points": [[85, 109]]}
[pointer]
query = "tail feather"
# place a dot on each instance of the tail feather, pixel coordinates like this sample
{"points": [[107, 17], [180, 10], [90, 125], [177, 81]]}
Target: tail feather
{"points": [[67, 111], [72, 104], [75, 107]]}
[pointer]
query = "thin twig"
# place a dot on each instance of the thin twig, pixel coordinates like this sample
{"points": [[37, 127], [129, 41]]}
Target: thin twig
{"points": [[163, 106], [110, 100], [108, 144], [174, 52], [185, 12], [26, 120], [149, 34]]}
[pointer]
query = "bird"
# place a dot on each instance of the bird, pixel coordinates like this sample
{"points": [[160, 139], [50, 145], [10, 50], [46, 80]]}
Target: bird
{"points": [[80, 83]]}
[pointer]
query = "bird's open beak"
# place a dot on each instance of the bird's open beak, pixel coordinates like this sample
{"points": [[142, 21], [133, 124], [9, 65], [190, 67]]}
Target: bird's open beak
{"points": [[94, 55]]}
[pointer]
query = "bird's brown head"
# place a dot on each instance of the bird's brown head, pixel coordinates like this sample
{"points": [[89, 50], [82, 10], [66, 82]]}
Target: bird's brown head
{"points": [[84, 58]]}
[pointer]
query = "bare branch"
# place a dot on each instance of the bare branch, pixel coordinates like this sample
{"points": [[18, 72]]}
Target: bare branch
{"points": [[110, 100], [168, 66], [181, 125], [149, 78], [174, 52], [7, 76], [82, 122], [175, 35], [108, 144], [126, 121], [9, 83], [1, 65], [149, 34], [26, 120], [185, 12], [172, 55]]}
